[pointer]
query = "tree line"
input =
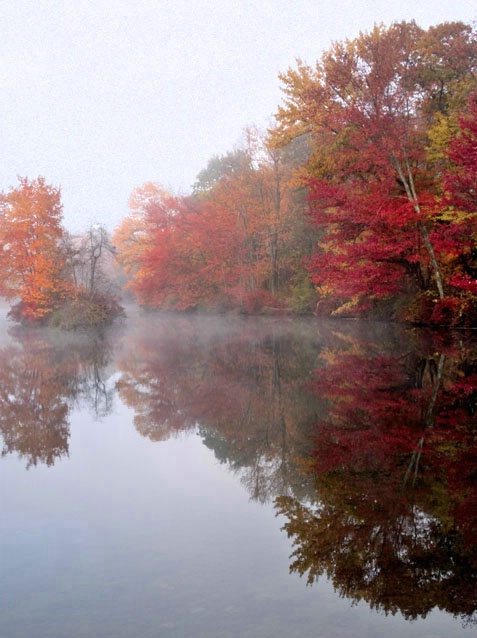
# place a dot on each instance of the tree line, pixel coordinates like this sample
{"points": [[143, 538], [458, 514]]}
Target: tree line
{"points": [[360, 200]]}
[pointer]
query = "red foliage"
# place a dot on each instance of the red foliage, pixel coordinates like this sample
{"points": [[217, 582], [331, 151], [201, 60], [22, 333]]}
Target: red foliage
{"points": [[401, 418], [461, 181], [371, 243], [446, 311], [255, 302], [204, 253], [373, 190]]}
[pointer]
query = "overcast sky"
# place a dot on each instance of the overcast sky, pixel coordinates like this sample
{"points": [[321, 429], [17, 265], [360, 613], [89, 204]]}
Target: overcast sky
{"points": [[100, 96]]}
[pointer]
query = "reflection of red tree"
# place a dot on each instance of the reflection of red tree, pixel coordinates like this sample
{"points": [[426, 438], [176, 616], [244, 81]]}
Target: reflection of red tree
{"points": [[370, 420], [242, 387], [452, 447], [394, 464]]}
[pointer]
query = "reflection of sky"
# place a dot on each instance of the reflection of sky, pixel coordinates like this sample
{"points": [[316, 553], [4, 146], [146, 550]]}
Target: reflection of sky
{"points": [[127, 537]]}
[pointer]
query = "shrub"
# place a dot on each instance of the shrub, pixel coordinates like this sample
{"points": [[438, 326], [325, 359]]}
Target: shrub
{"points": [[85, 311]]}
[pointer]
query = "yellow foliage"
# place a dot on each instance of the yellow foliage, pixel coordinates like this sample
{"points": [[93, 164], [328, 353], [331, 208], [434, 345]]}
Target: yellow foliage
{"points": [[349, 305], [440, 134]]}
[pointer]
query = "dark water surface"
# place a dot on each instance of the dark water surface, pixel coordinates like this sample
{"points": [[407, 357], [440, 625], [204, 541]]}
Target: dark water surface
{"points": [[187, 477]]}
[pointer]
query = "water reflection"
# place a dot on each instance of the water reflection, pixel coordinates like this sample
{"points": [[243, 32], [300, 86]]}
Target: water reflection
{"points": [[41, 379], [394, 468], [364, 435], [241, 385]]}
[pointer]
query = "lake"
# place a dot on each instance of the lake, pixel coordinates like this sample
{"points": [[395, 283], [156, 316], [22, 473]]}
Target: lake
{"points": [[205, 477]]}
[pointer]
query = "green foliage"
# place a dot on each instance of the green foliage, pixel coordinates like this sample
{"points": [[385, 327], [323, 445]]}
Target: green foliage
{"points": [[231, 163], [303, 295]]}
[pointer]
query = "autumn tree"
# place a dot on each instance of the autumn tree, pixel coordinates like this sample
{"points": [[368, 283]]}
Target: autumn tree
{"points": [[52, 277], [175, 269], [234, 200], [252, 193], [151, 209], [459, 245], [133, 236], [229, 244], [31, 261], [368, 107], [179, 252], [280, 207]]}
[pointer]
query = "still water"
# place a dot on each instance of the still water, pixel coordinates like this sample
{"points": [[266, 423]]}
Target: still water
{"points": [[224, 478]]}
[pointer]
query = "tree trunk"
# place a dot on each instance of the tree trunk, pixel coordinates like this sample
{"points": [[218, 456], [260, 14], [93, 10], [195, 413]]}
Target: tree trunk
{"points": [[408, 182]]}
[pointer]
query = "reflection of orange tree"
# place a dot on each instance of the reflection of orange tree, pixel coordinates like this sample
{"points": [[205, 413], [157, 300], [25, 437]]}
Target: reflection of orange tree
{"points": [[242, 388], [39, 381], [394, 466], [162, 372], [33, 409]]}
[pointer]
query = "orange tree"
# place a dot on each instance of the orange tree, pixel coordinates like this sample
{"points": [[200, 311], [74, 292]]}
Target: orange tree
{"points": [[160, 249], [251, 199], [31, 261], [231, 244]]}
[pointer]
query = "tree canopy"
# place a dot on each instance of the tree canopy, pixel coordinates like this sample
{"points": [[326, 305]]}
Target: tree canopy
{"points": [[370, 106], [361, 195]]}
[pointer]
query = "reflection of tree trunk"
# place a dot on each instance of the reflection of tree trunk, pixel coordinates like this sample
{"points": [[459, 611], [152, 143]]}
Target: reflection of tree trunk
{"points": [[279, 414], [428, 423], [99, 387]]}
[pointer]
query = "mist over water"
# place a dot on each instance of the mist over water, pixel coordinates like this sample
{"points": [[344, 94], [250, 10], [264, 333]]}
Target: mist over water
{"points": [[186, 475], [4, 323]]}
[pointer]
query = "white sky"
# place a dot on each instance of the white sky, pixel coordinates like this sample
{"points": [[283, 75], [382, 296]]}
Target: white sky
{"points": [[100, 96]]}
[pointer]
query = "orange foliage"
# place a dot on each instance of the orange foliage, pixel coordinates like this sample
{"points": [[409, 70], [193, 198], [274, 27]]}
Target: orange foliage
{"points": [[223, 247], [31, 261]]}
